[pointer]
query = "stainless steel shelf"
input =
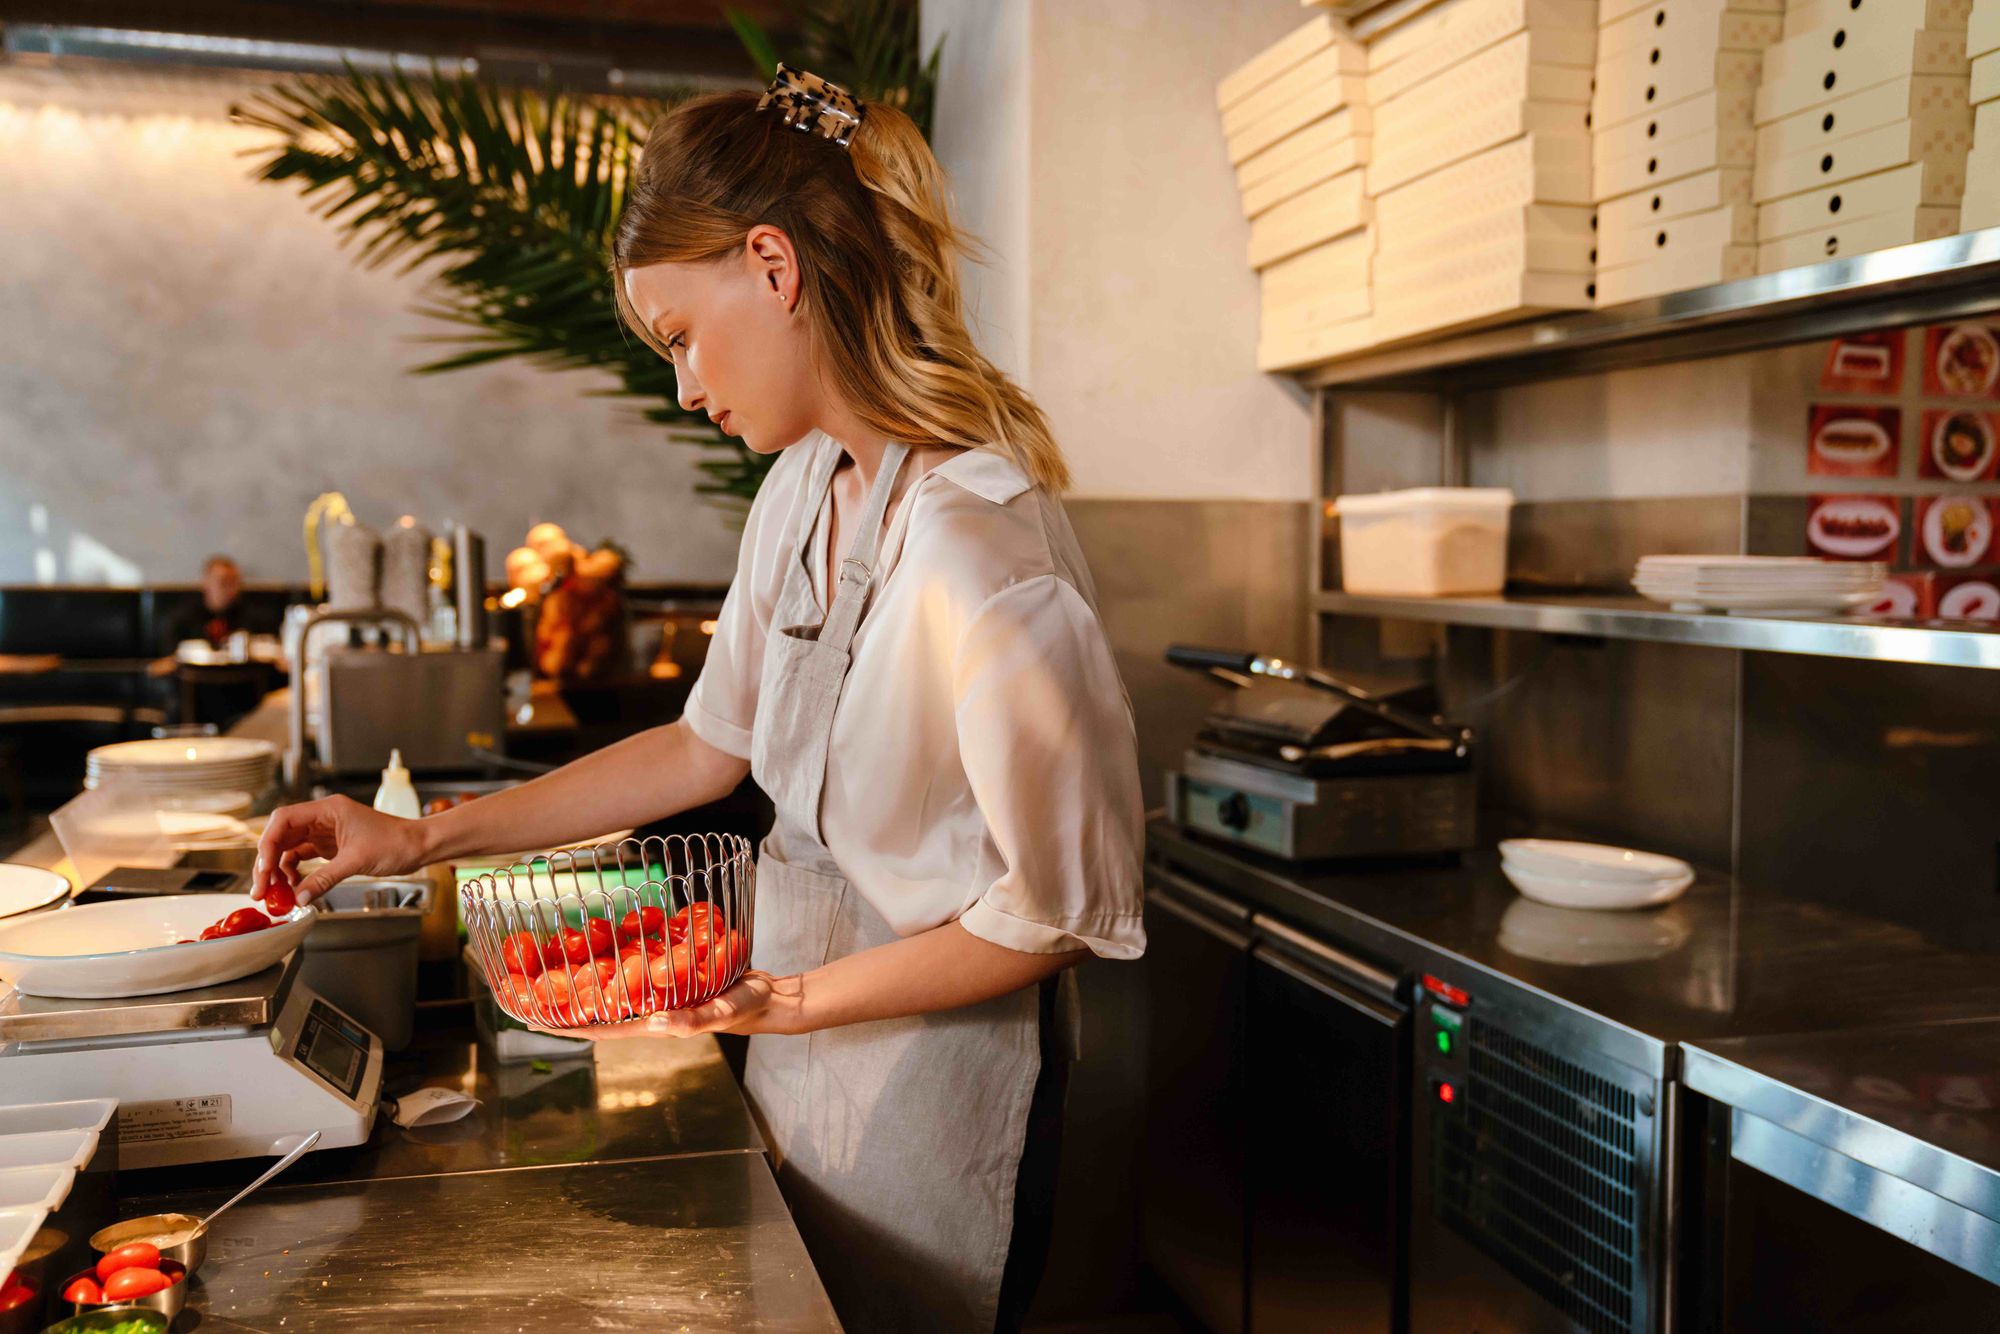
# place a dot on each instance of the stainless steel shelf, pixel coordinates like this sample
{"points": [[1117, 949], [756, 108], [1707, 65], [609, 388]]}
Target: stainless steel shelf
{"points": [[1942, 644], [1950, 278]]}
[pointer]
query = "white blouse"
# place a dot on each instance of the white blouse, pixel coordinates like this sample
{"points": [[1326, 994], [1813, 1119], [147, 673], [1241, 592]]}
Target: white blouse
{"points": [[983, 766]]}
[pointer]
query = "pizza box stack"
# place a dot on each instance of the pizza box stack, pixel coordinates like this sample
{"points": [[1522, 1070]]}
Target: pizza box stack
{"points": [[1982, 169], [1480, 172], [1674, 139], [1297, 128], [1864, 127]]}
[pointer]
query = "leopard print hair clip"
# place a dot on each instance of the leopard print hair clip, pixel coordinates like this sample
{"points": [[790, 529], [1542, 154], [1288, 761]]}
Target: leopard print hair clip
{"points": [[809, 103]]}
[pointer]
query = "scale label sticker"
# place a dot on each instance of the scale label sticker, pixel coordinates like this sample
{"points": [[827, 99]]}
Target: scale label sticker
{"points": [[174, 1118]]}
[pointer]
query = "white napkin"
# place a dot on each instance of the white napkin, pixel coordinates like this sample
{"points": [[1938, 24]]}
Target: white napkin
{"points": [[432, 1107]]}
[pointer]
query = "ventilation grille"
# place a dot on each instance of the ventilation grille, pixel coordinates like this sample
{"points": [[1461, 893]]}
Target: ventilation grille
{"points": [[1537, 1168]]}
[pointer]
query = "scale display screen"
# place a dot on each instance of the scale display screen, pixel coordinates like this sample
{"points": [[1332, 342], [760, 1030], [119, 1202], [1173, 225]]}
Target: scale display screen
{"points": [[333, 1048]]}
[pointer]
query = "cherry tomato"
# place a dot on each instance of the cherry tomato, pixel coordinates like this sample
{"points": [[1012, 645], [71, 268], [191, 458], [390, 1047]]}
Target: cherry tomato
{"points": [[575, 947], [555, 1002], [521, 955], [135, 1282], [647, 921], [16, 1292], [243, 921], [698, 922], [464, 797], [517, 995], [184, 942], [637, 979], [279, 898], [437, 805], [84, 1292], [600, 936], [143, 1254], [211, 932]]}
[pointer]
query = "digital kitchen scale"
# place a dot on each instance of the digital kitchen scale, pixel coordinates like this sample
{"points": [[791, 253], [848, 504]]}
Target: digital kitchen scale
{"points": [[242, 1070]]}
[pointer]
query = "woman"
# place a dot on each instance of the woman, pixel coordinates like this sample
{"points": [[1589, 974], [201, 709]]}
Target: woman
{"points": [[909, 663]]}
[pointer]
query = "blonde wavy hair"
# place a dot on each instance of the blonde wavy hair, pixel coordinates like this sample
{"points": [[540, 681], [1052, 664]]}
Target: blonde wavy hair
{"points": [[878, 257]]}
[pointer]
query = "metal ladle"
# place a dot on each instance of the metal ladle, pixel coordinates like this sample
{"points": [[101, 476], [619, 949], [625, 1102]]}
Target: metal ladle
{"points": [[269, 1172], [188, 1245]]}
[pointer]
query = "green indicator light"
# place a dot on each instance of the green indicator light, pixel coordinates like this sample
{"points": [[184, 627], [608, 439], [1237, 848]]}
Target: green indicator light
{"points": [[1444, 1042]]}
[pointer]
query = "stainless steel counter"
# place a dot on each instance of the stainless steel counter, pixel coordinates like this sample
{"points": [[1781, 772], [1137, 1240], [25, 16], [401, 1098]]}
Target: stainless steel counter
{"points": [[1897, 1126], [694, 1243], [1724, 961]]}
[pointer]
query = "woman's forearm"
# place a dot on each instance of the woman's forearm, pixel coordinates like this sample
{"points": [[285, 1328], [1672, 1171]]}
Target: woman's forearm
{"points": [[660, 772], [940, 969]]}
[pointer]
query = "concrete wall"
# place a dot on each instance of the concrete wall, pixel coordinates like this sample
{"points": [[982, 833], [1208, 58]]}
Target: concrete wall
{"points": [[188, 357]]}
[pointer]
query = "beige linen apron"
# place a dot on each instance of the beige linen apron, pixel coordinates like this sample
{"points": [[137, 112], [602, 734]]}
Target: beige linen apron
{"points": [[897, 1142]]}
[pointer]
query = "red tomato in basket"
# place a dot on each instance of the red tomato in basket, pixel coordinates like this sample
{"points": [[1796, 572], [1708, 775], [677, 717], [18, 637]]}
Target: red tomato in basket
{"points": [[673, 973], [575, 946], [142, 1254], [647, 921], [699, 921], [600, 937], [127, 1284], [516, 994], [521, 955], [243, 921], [637, 979], [555, 1001], [84, 1292]]}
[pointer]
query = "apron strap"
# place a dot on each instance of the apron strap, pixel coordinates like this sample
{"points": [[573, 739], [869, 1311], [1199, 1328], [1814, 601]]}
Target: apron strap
{"points": [[857, 571]]}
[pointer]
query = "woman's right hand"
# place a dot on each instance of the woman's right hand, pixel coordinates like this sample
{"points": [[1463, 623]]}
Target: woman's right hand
{"points": [[354, 839]]}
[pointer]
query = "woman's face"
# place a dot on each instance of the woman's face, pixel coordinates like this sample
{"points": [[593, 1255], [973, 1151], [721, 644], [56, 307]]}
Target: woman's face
{"points": [[739, 352]]}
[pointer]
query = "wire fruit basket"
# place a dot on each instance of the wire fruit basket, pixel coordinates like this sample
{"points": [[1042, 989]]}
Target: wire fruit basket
{"points": [[613, 932]]}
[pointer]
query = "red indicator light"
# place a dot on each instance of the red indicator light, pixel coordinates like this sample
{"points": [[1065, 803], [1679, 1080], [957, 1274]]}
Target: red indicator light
{"points": [[1447, 1093], [1446, 992]]}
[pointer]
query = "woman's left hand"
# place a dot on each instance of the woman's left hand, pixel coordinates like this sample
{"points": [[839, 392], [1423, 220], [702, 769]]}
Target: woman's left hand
{"points": [[758, 1003]]}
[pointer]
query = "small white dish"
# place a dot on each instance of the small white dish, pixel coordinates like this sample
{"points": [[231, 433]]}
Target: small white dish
{"points": [[1590, 861], [48, 1148], [1596, 895], [108, 950], [35, 1187], [26, 889]]}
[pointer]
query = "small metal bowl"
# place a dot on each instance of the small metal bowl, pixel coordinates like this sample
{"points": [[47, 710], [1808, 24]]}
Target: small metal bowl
{"points": [[190, 1251], [100, 1319], [168, 1301]]}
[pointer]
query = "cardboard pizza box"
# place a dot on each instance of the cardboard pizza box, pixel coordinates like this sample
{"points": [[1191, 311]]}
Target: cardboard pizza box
{"points": [[1329, 209], [1920, 97], [1560, 32], [1323, 166], [1485, 126], [1557, 229], [1900, 190], [1322, 100], [1531, 170], [1611, 12], [1805, 15], [1638, 35], [1340, 264], [1506, 72], [1703, 112], [1492, 297], [1516, 248], [1820, 66], [1320, 33], [1942, 142], [1705, 190], [1329, 66], [1857, 236], [1696, 136], [1331, 305], [1350, 122], [1698, 268], [1982, 28], [1627, 91], [1288, 350], [1735, 224]]}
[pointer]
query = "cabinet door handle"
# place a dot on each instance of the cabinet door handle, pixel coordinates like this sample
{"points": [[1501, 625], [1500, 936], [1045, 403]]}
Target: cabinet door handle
{"points": [[1199, 920], [1389, 1016], [1361, 976], [1227, 909]]}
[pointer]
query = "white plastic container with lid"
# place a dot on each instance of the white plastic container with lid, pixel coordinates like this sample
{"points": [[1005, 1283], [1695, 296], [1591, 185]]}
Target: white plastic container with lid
{"points": [[1435, 541]]}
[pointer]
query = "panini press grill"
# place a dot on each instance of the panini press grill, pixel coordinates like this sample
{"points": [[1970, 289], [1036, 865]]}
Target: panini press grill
{"points": [[1301, 765]]}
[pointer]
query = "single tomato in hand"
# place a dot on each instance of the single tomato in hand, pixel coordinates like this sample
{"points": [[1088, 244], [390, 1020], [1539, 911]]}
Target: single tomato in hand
{"points": [[278, 897]]}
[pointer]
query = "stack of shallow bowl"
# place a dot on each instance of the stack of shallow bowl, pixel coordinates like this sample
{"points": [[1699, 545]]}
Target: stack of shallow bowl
{"points": [[1760, 583], [1592, 875], [175, 769]]}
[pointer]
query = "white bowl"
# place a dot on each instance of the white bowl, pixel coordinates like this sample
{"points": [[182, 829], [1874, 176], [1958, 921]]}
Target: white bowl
{"points": [[108, 950], [25, 889], [1567, 892], [1589, 861]]}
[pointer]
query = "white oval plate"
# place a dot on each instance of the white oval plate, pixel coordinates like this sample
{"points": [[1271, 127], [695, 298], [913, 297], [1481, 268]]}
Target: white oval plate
{"points": [[1590, 861], [1597, 895], [25, 889], [108, 950]]}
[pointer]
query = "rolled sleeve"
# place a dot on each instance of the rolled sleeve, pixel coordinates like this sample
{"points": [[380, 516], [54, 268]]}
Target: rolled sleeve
{"points": [[1045, 735]]}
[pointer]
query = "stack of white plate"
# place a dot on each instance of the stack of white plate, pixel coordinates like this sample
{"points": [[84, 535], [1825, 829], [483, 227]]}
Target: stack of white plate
{"points": [[1760, 583], [175, 768], [1592, 875]]}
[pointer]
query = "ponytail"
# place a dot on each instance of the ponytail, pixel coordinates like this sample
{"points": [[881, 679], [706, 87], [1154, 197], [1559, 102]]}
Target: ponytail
{"points": [[879, 260]]}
